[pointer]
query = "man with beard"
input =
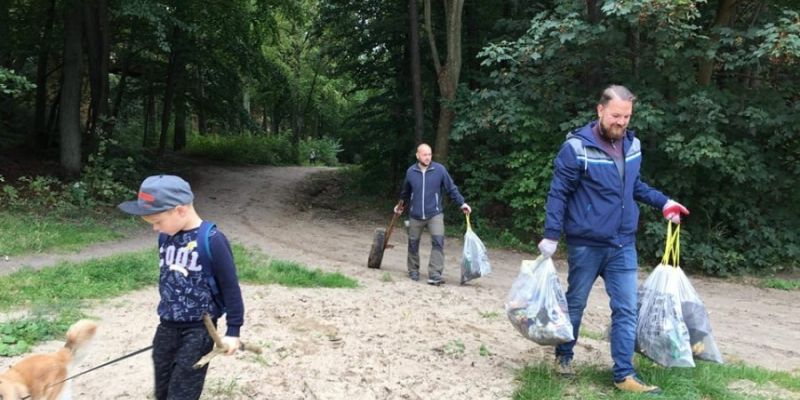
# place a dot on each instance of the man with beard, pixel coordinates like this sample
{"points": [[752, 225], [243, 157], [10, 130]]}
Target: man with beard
{"points": [[592, 199], [422, 193]]}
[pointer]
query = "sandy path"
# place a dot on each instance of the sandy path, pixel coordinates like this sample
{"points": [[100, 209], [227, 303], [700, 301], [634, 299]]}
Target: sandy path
{"points": [[391, 338]]}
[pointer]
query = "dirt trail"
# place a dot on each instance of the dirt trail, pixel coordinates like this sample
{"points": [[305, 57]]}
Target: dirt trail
{"points": [[391, 338]]}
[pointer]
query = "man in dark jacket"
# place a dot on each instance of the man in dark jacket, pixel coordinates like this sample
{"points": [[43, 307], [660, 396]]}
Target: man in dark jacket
{"points": [[592, 200], [422, 194]]}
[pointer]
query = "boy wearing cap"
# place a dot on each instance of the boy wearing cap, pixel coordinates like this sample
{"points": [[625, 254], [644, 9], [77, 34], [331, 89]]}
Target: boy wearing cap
{"points": [[197, 276]]}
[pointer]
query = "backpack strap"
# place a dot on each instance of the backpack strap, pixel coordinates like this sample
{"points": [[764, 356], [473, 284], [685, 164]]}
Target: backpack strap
{"points": [[203, 235]]}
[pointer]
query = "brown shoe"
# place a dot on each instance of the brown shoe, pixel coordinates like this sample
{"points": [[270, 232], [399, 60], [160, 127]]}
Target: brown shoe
{"points": [[632, 384], [564, 367]]}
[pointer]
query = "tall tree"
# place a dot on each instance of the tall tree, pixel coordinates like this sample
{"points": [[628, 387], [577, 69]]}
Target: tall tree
{"points": [[98, 44], [447, 72], [40, 107], [416, 79], [69, 120]]}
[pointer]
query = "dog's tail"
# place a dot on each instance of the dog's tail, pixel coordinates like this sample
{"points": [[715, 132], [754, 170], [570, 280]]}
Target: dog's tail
{"points": [[79, 336]]}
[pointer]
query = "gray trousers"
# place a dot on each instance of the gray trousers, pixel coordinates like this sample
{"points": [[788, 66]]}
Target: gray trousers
{"points": [[436, 229]]}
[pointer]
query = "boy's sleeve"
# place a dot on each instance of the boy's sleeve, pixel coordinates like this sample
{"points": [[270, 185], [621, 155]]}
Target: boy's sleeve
{"points": [[224, 270]]}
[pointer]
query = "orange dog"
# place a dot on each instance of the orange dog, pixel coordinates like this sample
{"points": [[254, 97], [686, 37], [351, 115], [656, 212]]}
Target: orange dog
{"points": [[40, 376]]}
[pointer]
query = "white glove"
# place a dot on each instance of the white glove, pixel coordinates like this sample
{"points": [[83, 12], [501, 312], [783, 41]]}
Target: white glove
{"points": [[231, 344], [398, 209], [548, 247], [673, 210], [466, 208]]}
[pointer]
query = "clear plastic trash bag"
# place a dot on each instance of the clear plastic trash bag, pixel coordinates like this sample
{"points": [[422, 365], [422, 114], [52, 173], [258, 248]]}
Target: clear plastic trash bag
{"points": [[537, 306], [474, 260], [674, 327]]}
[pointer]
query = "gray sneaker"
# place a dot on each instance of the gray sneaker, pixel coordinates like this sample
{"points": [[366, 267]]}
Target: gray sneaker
{"points": [[564, 367], [435, 280], [413, 275]]}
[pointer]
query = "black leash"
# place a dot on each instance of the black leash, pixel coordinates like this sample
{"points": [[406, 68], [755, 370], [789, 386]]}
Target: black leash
{"points": [[118, 359]]}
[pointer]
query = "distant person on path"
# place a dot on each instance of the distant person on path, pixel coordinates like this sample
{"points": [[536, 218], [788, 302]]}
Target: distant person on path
{"points": [[197, 276], [422, 193], [592, 200], [312, 157]]}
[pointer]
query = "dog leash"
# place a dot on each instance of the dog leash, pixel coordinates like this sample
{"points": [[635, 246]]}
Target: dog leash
{"points": [[118, 359]]}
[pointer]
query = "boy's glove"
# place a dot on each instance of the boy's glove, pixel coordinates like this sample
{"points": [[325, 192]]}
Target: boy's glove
{"points": [[673, 210], [548, 247], [398, 209], [466, 208], [232, 344]]}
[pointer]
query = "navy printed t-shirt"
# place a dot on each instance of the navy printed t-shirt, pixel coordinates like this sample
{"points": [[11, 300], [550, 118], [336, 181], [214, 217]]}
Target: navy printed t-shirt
{"points": [[183, 285]]}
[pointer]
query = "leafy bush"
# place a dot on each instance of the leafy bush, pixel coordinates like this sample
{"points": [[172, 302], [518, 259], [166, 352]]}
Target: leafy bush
{"points": [[324, 149], [727, 150], [246, 148]]}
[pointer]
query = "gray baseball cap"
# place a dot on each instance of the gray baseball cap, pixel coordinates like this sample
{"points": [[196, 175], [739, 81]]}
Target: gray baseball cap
{"points": [[159, 193]]}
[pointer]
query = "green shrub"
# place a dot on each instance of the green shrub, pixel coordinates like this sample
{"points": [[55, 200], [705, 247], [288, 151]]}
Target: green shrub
{"points": [[325, 149], [245, 148]]}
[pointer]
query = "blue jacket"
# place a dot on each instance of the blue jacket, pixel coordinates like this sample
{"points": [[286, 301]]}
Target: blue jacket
{"points": [[421, 192], [588, 200]]}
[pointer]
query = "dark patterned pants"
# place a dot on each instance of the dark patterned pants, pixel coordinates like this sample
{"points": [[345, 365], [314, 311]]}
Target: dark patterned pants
{"points": [[175, 351]]}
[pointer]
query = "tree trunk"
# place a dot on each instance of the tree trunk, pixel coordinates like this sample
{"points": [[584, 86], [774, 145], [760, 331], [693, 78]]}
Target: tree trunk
{"points": [[98, 39], [179, 129], [448, 73], [264, 119], [149, 115], [69, 119], [169, 90], [40, 123], [706, 65], [275, 121], [416, 80], [5, 51], [202, 121], [121, 87]]}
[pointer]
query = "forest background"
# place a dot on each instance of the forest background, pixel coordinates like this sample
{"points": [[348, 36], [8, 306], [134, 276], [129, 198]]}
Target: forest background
{"points": [[94, 92]]}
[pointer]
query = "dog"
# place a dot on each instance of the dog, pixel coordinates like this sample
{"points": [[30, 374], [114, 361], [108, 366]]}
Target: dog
{"points": [[41, 376]]}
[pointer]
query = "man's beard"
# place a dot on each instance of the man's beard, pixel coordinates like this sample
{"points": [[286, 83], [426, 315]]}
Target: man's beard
{"points": [[614, 132]]}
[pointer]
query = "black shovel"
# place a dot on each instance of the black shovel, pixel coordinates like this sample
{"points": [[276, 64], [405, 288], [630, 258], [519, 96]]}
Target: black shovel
{"points": [[380, 242]]}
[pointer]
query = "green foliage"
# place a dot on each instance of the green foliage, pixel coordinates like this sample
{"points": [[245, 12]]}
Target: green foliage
{"points": [[291, 274], [484, 351], [325, 151], [73, 282], [726, 150], [106, 180], [782, 284], [13, 84], [246, 148], [19, 335], [35, 233]]}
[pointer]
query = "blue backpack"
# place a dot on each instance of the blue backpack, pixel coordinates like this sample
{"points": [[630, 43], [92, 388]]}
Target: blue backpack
{"points": [[203, 234]]}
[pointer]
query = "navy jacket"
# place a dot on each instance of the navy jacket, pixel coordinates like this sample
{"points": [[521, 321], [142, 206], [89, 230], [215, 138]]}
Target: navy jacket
{"points": [[422, 191], [588, 200]]}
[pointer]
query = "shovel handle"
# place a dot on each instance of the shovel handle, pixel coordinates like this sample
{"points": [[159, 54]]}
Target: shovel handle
{"points": [[389, 230]]}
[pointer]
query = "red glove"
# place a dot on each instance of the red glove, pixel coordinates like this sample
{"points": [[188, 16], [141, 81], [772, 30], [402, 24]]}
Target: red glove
{"points": [[673, 210]]}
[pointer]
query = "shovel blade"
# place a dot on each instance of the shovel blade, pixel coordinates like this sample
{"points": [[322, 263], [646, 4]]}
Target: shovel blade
{"points": [[376, 252]]}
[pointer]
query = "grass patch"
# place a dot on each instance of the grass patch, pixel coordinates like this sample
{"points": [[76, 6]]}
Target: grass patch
{"points": [[255, 268], [73, 282], [590, 334], [19, 335], [35, 234], [782, 284], [706, 381], [116, 275]]}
